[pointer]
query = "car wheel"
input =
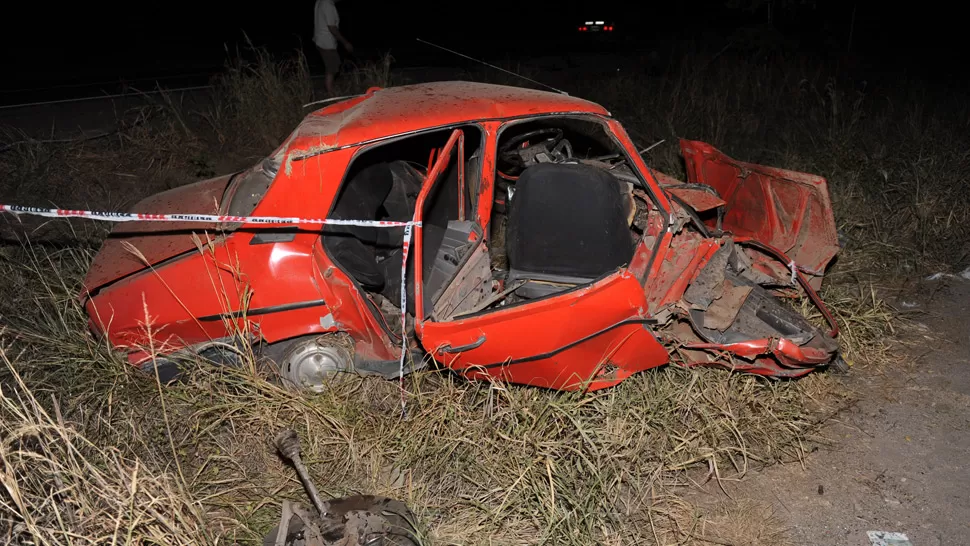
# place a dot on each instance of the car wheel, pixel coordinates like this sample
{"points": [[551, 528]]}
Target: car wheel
{"points": [[164, 370], [314, 363]]}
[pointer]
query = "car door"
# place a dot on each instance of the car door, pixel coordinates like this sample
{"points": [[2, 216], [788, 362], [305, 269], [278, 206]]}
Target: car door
{"points": [[588, 337], [787, 210]]}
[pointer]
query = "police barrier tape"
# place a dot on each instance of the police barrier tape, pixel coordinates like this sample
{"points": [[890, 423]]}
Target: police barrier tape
{"points": [[225, 219], [207, 218]]}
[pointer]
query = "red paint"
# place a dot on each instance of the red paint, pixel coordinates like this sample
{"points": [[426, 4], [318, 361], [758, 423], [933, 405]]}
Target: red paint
{"points": [[156, 241], [591, 337], [560, 342], [788, 210], [699, 200], [443, 159]]}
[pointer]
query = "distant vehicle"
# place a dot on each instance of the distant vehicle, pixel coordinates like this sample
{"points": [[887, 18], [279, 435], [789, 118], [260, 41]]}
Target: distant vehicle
{"points": [[594, 26], [593, 34]]}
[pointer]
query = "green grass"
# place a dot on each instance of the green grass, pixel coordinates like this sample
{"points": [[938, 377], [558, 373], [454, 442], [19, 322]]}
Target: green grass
{"points": [[92, 452]]}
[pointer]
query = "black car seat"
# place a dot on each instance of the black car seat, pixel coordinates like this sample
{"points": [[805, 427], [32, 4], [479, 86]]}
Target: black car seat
{"points": [[440, 209], [398, 206], [354, 247], [391, 268], [567, 225]]}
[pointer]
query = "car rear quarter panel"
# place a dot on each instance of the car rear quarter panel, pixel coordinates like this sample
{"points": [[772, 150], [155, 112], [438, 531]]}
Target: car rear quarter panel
{"points": [[308, 187], [210, 293], [158, 307]]}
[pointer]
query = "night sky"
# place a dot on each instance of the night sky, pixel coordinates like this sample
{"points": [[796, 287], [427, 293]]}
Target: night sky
{"points": [[85, 42]]}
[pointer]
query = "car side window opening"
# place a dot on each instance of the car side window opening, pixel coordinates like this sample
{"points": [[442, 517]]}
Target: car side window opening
{"points": [[382, 183], [568, 209], [249, 186]]}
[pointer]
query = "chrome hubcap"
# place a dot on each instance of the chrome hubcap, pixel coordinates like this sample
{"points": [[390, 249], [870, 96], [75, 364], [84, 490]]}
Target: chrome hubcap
{"points": [[314, 363]]}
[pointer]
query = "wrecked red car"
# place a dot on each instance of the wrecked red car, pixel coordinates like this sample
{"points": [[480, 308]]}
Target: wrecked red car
{"points": [[548, 252]]}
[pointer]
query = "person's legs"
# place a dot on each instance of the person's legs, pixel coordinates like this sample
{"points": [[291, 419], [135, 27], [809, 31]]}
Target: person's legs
{"points": [[331, 60]]}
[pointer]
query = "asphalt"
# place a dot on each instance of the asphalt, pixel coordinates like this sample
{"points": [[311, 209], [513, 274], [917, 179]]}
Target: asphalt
{"points": [[94, 111], [89, 109]]}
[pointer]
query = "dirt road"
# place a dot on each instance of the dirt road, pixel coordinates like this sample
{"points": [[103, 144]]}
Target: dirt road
{"points": [[901, 456]]}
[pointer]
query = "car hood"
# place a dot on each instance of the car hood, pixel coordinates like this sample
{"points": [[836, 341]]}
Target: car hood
{"points": [[154, 242]]}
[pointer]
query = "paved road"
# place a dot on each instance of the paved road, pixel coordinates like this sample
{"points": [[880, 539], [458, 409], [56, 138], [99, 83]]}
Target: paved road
{"points": [[92, 112], [88, 115]]}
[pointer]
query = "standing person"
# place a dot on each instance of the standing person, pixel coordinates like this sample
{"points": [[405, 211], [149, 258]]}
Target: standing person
{"points": [[326, 34]]}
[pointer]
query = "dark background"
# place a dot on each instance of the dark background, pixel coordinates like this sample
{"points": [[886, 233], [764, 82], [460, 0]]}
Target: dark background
{"points": [[72, 46]]}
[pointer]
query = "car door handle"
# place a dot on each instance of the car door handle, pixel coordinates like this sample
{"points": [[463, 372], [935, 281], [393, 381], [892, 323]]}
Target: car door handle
{"points": [[447, 348]]}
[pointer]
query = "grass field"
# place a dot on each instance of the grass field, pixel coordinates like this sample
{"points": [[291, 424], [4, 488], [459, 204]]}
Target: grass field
{"points": [[92, 453]]}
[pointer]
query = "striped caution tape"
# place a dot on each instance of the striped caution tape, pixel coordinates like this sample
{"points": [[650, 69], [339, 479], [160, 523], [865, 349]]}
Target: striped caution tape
{"points": [[206, 218], [404, 311]]}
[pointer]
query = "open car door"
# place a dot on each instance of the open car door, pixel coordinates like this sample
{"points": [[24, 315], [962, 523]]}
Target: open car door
{"points": [[785, 210], [591, 335]]}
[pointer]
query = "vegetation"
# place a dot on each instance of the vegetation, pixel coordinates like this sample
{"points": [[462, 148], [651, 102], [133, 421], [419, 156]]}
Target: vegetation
{"points": [[91, 452]]}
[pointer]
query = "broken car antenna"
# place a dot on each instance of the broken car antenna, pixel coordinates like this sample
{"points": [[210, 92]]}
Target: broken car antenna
{"points": [[493, 66], [652, 146]]}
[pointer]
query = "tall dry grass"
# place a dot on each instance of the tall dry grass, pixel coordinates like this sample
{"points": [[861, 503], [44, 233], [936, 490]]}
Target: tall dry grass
{"points": [[94, 453], [895, 152]]}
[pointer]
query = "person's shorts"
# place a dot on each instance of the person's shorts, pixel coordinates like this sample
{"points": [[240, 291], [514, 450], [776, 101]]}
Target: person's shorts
{"points": [[331, 59]]}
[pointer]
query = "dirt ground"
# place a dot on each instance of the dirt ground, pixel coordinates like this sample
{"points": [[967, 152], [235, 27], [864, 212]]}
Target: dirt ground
{"points": [[900, 458]]}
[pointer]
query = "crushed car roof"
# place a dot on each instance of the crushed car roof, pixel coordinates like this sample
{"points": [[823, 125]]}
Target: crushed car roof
{"points": [[397, 110]]}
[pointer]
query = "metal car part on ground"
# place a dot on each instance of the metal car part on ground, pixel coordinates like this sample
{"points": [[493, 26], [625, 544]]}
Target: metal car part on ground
{"points": [[545, 251], [358, 520]]}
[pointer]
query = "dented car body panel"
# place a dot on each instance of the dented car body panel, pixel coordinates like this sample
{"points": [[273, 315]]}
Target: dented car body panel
{"points": [[547, 251], [788, 210]]}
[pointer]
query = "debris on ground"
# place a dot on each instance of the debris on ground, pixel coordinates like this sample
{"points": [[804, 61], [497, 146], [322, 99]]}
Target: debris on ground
{"points": [[883, 538], [356, 520], [965, 275]]}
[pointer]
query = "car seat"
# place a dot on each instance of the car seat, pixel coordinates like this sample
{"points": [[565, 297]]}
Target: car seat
{"points": [[354, 247], [567, 225]]}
